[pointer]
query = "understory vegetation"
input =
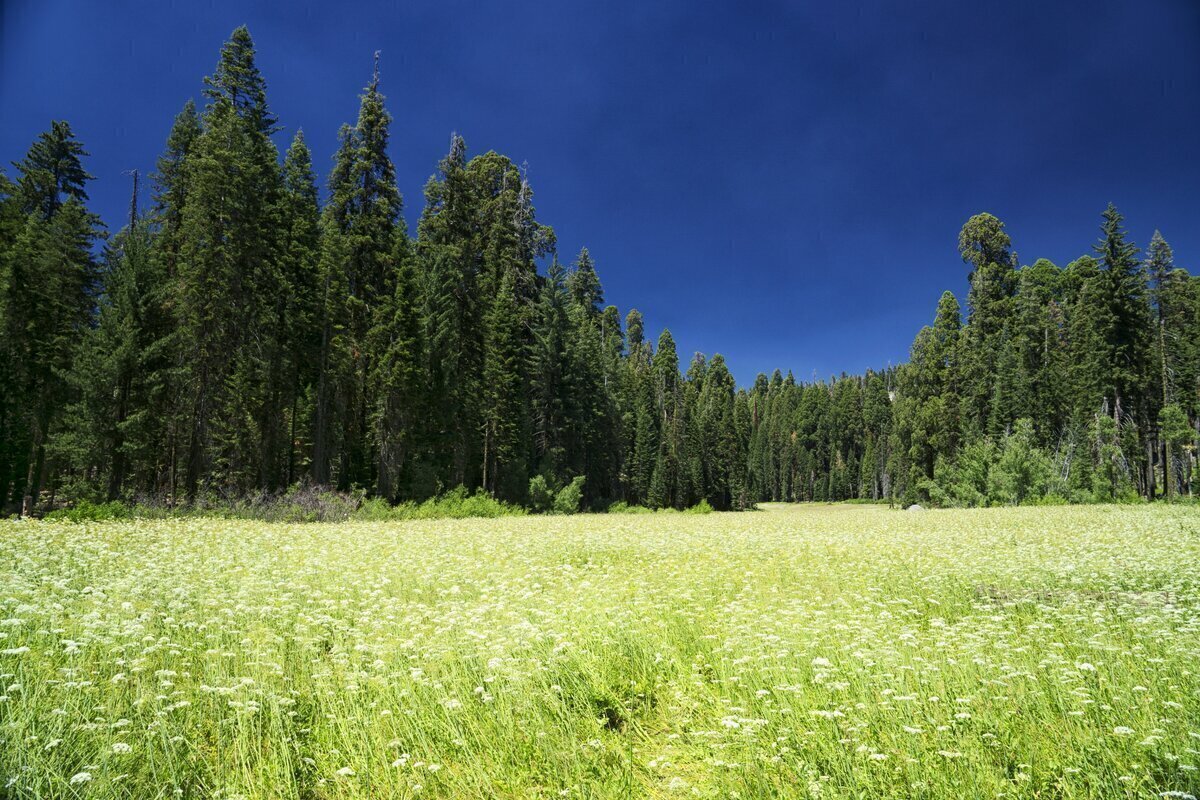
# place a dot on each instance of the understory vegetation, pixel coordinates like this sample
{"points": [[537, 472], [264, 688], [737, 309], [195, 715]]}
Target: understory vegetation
{"points": [[803, 651], [312, 504]]}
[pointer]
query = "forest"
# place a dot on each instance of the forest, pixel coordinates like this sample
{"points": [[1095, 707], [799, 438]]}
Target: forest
{"points": [[245, 332]]}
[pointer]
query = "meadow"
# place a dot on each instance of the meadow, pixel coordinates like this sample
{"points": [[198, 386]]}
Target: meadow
{"points": [[802, 651]]}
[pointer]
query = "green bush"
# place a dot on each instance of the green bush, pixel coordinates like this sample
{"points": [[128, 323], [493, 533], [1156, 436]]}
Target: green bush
{"points": [[1023, 471], [87, 511], [570, 497], [621, 507], [1013, 471], [700, 508], [455, 504], [374, 509], [541, 496]]}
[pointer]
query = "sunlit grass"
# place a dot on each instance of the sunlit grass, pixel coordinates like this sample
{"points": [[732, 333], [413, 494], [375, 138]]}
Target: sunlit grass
{"points": [[797, 652]]}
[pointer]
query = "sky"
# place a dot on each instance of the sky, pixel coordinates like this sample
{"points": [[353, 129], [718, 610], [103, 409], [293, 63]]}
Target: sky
{"points": [[782, 183]]}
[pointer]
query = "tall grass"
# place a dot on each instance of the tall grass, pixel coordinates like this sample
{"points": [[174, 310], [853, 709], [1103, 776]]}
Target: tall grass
{"points": [[834, 652]]}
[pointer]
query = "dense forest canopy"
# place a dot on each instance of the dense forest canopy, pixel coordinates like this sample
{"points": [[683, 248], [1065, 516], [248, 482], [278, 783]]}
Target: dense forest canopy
{"points": [[238, 336]]}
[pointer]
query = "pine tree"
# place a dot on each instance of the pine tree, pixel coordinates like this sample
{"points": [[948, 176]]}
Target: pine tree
{"points": [[230, 278], [1128, 303], [928, 380], [584, 286], [644, 418], [503, 401], [52, 172], [453, 317], [362, 227], [12, 221], [171, 183], [985, 246], [237, 82], [1039, 337], [109, 439], [591, 430], [664, 489], [398, 384], [719, 444], [299, 309], [50, 283], [1090, 321], [548, 377], [1129, 340]]}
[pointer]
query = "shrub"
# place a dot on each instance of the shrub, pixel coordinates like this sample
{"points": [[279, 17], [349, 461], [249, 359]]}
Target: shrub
{"points": [[621, 507], [87, 511], [700, 508], [301, 503], [541, 496], [1022, 471], [374, 509], [570, 497], [454, 504]]}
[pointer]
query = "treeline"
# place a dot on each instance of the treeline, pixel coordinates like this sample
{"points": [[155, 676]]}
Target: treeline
{"points": [[1075, 384], [238, 337]]}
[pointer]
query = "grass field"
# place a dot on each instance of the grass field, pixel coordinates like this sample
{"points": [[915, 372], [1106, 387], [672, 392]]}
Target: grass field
{"points": [[815, 651]]}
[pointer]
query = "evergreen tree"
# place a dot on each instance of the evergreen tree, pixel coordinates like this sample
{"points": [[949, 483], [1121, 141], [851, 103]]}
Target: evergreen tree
{"points": [[50, 282], [453, 317], [359, 270], [299, 308], [986, 247], [1127, 339], [503, 401], [229, 281], [548, 377], [110, 441], [398, 384]]}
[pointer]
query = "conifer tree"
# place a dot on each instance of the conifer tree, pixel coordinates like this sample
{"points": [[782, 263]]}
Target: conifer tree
{"points": [[453, 317], [503, 401], [986, 247], [398, 384], [109, 438], [359, 275], [11, 345], [549, 376], [229, 280], [299, 309], [50, 282], [1128, 339]]}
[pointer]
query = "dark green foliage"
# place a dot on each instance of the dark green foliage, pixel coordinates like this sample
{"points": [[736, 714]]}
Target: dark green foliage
{"points": [[541, 496], [52, 172], [363, 428], [49, 280], [455, 504], [567, 500], [246, 350], [86, 511]]}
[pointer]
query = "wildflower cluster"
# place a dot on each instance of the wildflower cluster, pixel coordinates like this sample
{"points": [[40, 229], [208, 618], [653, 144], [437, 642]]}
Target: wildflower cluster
{"points": [[812, 651]]}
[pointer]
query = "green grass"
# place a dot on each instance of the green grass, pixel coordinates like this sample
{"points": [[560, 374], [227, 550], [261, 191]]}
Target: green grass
{"points": [[814, 651]]}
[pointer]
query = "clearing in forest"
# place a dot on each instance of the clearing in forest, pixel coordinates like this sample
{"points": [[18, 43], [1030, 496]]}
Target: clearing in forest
{"points": [[800, 651]]}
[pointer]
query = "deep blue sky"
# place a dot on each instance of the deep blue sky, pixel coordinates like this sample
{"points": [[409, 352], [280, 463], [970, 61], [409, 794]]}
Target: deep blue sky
{"points": [[779, 182]]}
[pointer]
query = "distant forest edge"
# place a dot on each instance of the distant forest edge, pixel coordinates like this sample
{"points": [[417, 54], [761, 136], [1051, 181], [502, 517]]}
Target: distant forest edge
{"points": [[237, 338]]}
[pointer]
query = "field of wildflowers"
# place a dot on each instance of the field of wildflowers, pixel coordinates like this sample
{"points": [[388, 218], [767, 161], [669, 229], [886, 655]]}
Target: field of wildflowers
{"points": [[810, 651]]}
